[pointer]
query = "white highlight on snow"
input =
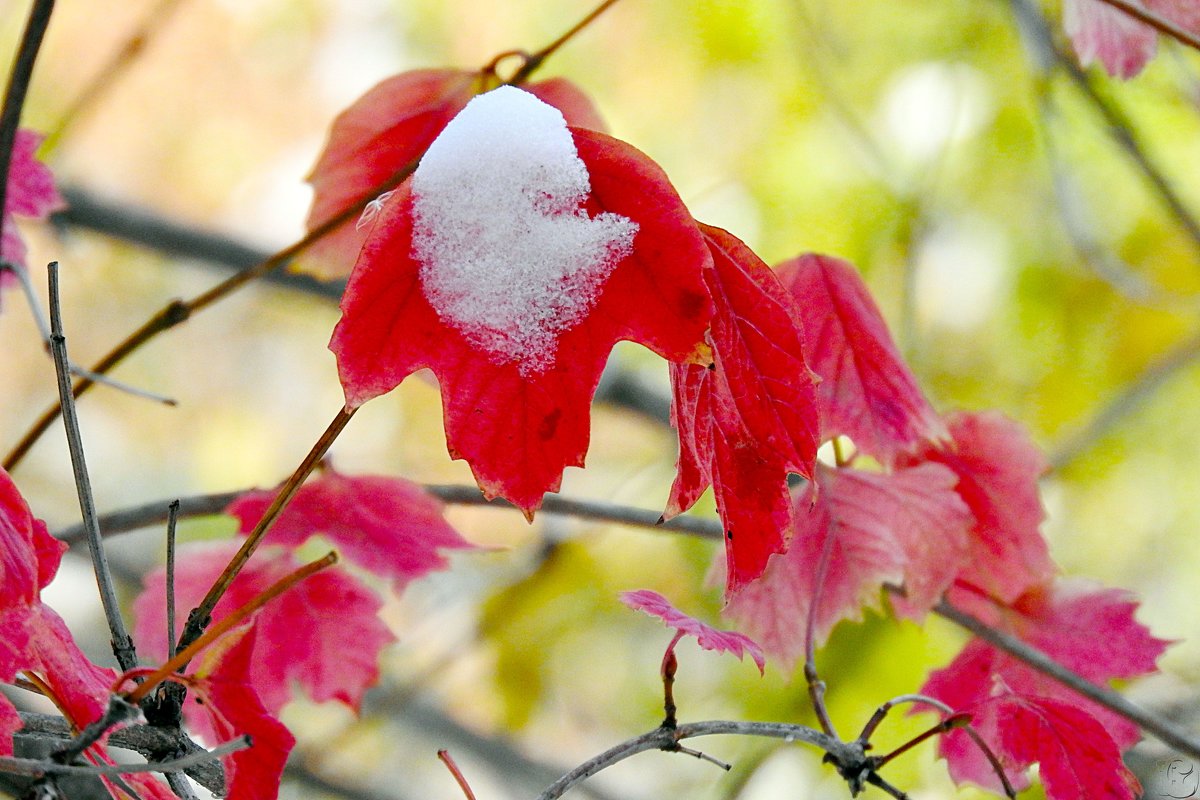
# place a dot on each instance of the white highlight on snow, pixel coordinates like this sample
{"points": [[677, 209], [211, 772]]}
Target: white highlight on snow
{"points": [[508, 254]]}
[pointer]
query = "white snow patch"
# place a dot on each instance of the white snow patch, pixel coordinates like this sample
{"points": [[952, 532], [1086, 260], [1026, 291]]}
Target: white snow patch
{"points": [[508, 254]]}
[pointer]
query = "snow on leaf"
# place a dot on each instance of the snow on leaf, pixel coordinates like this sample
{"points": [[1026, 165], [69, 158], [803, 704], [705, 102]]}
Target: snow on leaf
{"points": [[30, 193], [1089, 630], [1100, 32], [517, 404], [998, 468], [708, 637], [388, 128], [231, 709], [866, 390], [323, 634], [508, 255], [389, 526], [751, 419], [903, 528]]}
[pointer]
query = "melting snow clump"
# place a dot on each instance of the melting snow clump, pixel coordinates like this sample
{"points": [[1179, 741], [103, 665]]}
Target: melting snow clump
{"points": [[508, 254]]}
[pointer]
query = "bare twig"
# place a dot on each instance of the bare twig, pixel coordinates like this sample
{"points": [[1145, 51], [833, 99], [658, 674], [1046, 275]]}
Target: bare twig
{"points": [[668, 739], [122, 644], [172, 520], [144, 739], [446, 759], [18, 86], [39, 321], [535, 60], [32, 767]]}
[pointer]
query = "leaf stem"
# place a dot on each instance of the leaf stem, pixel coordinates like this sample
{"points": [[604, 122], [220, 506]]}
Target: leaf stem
{"points": [[224, 625], [535, 60], [122, 644], [446, 759], [201, 616]]}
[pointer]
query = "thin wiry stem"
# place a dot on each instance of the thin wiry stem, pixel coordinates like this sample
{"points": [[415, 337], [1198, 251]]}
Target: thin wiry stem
{"points": [[535, 60], [172, 520], [18, 86], [122, 644], [668, 739], [36, 768]]}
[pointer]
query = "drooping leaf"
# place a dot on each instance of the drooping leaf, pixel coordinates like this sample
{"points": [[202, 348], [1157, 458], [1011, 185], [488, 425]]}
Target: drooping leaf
{"points": [[1090, 631], [29, 555], [389, 526], [30, 193], [389, 128], [515, 297], [323, 634], [231, 709], [1100, 32], [707, 636], [998, 468], [751, 419], [866, 391], [905, 528]]}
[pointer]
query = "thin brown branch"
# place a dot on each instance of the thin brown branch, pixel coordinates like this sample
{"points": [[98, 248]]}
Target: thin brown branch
{"points": [[535, 60], [122, 644], [1156, 21], [235, 618], [200, 617], [34, 768]]}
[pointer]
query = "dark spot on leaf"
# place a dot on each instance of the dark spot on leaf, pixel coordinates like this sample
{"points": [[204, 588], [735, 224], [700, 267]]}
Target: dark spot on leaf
{"points": [[549, 425], [729, 535]]}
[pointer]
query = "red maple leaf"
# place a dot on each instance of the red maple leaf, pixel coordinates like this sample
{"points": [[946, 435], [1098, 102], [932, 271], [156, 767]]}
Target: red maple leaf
{"points": [[388, 526], [30, 193], [231, 708], [907, 528], [866, 391], [1020, 712], [998, 468], [516, 303], [323, 634], [388, 128], [707, 636], [1117, 40], [750, 419]]}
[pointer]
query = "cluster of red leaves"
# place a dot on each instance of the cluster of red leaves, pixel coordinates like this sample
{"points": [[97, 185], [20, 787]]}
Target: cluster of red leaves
{"points": [[766, 365], [323, 635], [35, 642], [30, 193], [1121, 43]]}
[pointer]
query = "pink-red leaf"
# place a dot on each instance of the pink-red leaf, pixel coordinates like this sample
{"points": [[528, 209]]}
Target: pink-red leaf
{"points": [[998, 468], [388, 128], [1100, 32], [30, 193], [751, 419], [1090, 631], [29, 555], [866, 390], [324, 634], [707, 636], [905, 528], [519, 417], [389, 526], [231, 709]]}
